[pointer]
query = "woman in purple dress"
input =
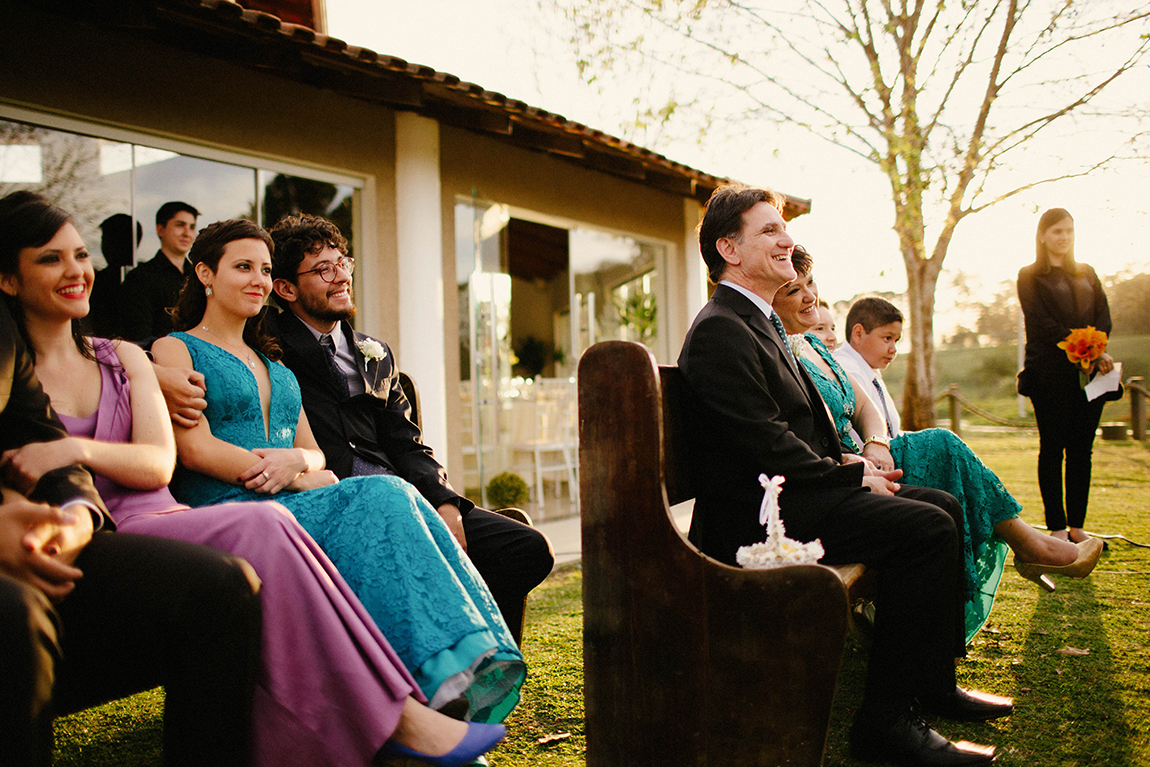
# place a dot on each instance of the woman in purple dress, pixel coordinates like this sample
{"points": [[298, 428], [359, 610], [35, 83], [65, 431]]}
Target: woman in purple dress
{"points": [[331, 689]]}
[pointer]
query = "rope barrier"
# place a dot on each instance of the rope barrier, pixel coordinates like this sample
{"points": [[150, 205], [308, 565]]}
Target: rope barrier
{"points": [[953, 392], [1134, 385], [983, 413]]}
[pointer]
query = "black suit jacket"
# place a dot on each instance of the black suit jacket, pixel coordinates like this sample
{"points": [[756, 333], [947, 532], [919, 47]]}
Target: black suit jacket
{"points": [[754, 411], [375, 425], [1054, 303], [26, 416]]}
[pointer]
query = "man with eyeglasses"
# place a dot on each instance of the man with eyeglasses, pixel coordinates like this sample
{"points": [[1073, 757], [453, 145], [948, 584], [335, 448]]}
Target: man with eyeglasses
{"points": [[361, 417]]}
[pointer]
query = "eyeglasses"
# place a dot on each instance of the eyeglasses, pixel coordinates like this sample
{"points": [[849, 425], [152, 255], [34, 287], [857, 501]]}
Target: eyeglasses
{"points": [[326, 270]]}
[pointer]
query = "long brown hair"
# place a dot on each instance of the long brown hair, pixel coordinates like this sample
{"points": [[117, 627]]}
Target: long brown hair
{"points": [[208, 249], [1041, 257], [28, 220]]}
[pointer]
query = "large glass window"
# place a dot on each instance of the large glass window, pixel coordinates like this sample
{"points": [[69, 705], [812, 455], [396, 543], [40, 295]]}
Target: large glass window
{"points": [[288, 195], [113, 188], [83, 175], [217, 190]]}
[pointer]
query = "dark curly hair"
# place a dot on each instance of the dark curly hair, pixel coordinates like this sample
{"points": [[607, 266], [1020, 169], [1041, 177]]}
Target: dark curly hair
{"points": [[208, 249], [297, 237]]}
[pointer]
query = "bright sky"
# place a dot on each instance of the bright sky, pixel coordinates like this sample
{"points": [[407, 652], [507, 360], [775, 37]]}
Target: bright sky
{"points": [[501, 45]]}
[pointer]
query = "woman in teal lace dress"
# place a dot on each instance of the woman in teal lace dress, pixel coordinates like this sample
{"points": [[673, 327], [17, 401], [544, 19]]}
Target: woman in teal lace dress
{"points": [[254, 442], [933, 458]]}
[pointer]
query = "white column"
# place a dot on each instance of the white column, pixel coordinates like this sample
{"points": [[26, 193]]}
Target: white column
{"points": [[696, 270], [419, 239]]}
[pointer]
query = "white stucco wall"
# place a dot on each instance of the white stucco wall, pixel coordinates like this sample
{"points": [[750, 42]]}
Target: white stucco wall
{"points": [[419, 242]]}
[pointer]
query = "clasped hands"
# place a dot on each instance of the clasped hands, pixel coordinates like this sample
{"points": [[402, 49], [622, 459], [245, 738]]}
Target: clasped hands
{"points": [[283, 469], [878, 480], [39, 543], [185, 394]]}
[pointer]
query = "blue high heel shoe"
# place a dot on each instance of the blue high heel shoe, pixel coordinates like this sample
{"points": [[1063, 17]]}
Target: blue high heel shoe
{"points": [[480, 739]]}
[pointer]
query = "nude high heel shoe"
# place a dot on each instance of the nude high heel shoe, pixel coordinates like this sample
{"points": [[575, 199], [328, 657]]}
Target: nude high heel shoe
{"points": [[1088, 553]]}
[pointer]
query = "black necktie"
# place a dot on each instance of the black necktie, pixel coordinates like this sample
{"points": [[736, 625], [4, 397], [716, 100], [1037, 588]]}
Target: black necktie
{"points": [[882, 401], [328, 344], [783, 335]]}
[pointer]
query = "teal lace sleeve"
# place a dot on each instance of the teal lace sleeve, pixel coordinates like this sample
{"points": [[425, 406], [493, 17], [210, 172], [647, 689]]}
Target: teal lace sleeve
{"points": [[837, 393]]}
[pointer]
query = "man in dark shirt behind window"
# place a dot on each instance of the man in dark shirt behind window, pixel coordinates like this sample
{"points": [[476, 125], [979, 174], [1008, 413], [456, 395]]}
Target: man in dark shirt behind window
{"points": [[152, 287]]}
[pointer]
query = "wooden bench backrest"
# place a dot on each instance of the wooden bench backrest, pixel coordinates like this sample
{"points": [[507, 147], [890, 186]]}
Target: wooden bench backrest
{"points": [[686, 661]]}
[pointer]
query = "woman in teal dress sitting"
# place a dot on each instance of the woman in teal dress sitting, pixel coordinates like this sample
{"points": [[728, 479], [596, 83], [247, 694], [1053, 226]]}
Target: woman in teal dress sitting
{"points": [[933, 458], [254, 442]]}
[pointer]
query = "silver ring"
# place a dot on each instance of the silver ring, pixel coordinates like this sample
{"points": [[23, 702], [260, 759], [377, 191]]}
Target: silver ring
{"points": [[264, 474]]}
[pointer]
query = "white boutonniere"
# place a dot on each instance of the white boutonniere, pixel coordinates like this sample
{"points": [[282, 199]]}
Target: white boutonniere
{"points": [[796, 342], [372, 350]]}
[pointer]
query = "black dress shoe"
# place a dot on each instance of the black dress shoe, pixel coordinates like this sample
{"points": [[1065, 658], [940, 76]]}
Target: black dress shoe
{"points": [[909, 741], [969, 706]]}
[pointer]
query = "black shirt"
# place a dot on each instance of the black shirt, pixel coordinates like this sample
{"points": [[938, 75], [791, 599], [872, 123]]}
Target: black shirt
{"points": [[148, 292]]}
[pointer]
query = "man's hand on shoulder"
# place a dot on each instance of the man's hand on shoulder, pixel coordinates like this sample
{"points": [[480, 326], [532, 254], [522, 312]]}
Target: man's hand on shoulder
{"points": [[39, 543], [454, 521], [184, 394]]}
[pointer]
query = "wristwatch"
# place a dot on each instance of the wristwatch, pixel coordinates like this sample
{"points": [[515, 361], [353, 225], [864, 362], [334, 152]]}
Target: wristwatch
{"points": [[878, 440]]}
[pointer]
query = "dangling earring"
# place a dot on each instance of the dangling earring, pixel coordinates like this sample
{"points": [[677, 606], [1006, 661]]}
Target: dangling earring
{"points": [[207, 290]]}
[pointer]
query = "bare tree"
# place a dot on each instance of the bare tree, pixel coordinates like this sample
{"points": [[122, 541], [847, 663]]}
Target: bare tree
{"points": [[941, 96]]}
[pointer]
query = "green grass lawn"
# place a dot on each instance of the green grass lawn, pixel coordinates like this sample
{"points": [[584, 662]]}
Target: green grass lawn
{"points": [[1073, 709]]}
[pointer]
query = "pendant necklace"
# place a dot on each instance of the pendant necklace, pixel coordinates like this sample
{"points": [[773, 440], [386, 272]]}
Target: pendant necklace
{"points": [[249, 362]]}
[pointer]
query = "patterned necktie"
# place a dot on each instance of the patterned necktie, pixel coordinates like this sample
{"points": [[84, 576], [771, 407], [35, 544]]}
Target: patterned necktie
{"points": [[783, 335], [882, 401], [328, 344]]}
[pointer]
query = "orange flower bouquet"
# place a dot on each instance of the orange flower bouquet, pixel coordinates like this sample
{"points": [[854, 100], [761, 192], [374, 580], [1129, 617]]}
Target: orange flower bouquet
{"points": [[1083, 347]]}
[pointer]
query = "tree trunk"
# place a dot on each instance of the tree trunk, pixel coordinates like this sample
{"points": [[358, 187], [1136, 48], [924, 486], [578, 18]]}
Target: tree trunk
{"points": [[918, 391]]}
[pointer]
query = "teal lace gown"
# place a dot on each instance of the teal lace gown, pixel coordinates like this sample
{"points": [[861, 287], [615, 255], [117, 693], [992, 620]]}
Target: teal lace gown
{"points": [[391, 547], [938, 459]]}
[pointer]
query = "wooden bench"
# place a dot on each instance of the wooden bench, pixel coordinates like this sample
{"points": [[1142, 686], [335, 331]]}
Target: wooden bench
{"points": [[687, 661]]}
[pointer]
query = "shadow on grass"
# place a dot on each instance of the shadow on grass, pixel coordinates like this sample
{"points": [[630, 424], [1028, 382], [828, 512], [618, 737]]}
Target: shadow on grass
{"points": [[1070, 709]]}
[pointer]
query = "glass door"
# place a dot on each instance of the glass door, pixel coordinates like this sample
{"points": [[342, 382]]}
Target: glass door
{"points": [[484, 339], [532, 297]]}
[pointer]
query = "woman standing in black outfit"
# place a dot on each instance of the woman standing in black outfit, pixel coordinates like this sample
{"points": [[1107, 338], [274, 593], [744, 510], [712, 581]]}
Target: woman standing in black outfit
{"points": [[1057, 295]]}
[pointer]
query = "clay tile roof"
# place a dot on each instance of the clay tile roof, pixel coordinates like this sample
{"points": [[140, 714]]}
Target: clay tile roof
{"points": [[257, 39]]}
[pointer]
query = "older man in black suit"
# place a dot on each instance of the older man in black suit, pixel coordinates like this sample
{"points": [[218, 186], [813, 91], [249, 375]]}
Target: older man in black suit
{"points": [[89, 616], [753, 410], [361, 417]]}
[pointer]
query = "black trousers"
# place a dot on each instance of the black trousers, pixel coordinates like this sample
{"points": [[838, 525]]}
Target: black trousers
{"points": [[147, 612], [1067, 422], [912, 541], [512, 558]]}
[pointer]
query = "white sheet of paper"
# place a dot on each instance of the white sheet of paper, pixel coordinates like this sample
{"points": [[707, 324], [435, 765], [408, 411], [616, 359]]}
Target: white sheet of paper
{"points": [[1104, 383]]}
